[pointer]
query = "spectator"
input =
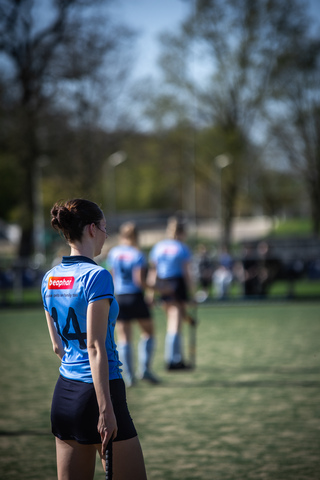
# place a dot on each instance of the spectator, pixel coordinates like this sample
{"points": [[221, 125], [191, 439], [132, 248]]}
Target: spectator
{"points": [[259, 270], [222, 276], [204, 271]]}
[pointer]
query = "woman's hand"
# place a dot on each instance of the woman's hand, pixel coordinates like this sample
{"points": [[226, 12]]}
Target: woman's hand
{"points": [[107, 427], [97, 324]]}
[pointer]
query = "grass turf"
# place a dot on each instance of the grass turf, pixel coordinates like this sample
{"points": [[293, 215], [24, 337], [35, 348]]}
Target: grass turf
{"points": [[250, 410]]}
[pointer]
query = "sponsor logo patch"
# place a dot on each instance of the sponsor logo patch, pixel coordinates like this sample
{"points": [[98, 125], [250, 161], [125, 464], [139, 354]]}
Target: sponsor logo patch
{"points": [[60, 283]]}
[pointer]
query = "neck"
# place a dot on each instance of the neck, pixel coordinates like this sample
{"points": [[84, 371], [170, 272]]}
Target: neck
{"points": [[126, 241], [83, 251]]}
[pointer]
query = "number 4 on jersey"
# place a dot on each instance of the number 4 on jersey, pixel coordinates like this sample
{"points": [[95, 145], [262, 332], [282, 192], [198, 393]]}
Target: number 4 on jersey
{"points": [[66, 334]]}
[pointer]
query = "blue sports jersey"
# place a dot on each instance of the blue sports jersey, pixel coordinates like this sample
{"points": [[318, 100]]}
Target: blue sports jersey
{"points": [[123, 259], [169, 257], [67, 290]]}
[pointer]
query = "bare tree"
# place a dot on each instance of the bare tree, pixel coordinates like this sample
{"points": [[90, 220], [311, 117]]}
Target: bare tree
{"points": [[227, 56], [295, 125], [56, 56]]}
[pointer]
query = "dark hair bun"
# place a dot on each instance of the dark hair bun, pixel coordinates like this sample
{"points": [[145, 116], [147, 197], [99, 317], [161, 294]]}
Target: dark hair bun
{"points": [[72, 216]]}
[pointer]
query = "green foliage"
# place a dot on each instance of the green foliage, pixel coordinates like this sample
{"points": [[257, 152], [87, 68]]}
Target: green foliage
{"points": [[292, 227], [278, 191], [154, 175], [245, 72], [143, 184], [62, 72], [216, 96]]}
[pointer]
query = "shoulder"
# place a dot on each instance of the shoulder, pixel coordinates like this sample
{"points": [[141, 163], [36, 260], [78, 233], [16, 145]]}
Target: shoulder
{"points": [[102, 273], [160, 245], [185, 249], [44, 282], [99, 283], [155, 249], [139, 253], [45, 276], [113, 251], [50, 273], [95, 273]]}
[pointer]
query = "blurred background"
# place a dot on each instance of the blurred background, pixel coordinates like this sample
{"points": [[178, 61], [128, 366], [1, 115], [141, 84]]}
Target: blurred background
{"points": [[206, 108]]}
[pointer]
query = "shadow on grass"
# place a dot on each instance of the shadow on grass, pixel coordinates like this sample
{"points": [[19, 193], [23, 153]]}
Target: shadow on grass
{"points": [[231, 378], [240, 384], [24, 433], [275, 370]]}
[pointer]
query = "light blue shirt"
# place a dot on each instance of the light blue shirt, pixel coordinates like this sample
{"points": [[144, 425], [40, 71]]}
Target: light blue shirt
{"points": [[169, 258], [123, 260], [67, 290]]}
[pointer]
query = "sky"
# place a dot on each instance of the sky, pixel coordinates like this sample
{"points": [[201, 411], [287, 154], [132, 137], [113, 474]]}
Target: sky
{"points": [[150, 17]]}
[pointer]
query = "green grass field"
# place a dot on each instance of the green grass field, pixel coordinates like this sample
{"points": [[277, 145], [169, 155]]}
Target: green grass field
{"points": [[250, 410]]}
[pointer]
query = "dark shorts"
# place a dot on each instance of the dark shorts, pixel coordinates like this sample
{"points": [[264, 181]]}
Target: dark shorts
{"points": [[132, 306], [75, 412], [173, 289]]}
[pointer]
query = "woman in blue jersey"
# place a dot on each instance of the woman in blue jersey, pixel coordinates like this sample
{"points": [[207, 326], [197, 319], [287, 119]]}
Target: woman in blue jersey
{"points": [[89, 403], [170, 260], [128, 268]]}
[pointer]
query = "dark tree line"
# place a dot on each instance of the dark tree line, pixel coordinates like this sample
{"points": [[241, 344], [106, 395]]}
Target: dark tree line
{"points": [[239, 79], [61, 61], [263, 76]]}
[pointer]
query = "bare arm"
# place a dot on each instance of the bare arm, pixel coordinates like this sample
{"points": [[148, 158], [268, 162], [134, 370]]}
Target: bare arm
{"points": [[97, 324], [55, 338], [140, 277], [151, 281]]}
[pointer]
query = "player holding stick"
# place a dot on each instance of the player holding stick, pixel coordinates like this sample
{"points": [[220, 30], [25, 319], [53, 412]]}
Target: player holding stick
{"points": [[128, 267], [170, 269], [89, 403]]}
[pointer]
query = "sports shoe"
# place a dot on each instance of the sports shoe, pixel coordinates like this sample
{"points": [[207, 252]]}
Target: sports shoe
{"points": [[129, 381], [178, 366], [149, 377]]}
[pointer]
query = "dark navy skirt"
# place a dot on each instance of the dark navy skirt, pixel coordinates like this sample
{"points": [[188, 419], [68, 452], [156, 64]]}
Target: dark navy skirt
{"points": [[173, 289], [75, 412], [132, 306]]}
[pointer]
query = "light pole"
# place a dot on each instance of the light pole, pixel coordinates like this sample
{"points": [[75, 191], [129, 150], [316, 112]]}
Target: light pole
{"points": [[111, 163], [221, 161], [39, 223]]}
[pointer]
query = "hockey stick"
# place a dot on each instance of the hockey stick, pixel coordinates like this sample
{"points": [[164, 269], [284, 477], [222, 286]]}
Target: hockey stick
{"points": [[109, 461], [192, 319]]}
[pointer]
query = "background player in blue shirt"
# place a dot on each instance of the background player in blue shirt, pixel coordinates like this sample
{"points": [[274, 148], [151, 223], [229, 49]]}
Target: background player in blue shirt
{"points": [[128, 267], [170, 259], [89, 402]]}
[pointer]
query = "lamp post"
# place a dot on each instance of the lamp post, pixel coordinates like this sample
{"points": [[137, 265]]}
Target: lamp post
{"points": [[39, 223], [111, 163], [221, 161]]}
